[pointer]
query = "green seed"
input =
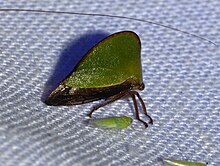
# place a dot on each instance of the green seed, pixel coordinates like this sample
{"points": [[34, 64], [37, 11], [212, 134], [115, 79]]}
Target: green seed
{"points": [[181, 163], [114, 122]]}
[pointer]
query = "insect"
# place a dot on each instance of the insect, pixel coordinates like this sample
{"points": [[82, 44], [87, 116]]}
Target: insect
{"points": [[100, 75], [110, 70], [181, 163], [113, 122]]}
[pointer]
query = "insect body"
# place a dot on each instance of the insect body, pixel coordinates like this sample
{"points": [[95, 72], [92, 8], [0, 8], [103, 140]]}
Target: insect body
{"points": [[110, 70]]}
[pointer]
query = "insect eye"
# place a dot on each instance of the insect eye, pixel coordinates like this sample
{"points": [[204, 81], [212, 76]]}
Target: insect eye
{"points": [[142, 86]]}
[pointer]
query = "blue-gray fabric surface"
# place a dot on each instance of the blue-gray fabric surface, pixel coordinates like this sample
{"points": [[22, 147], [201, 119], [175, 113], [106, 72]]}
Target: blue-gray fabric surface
{"points": [[181, 75]]}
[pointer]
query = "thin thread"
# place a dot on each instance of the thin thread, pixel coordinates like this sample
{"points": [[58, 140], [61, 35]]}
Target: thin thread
{"points": [[112, 16]]}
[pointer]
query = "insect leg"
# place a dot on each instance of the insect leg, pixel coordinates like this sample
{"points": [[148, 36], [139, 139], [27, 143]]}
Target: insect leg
{"points": [[136, 109], [143, 107], [109, 100]]}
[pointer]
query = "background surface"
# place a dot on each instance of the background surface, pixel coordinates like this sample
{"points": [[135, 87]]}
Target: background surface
{"points": [[181, 75]]}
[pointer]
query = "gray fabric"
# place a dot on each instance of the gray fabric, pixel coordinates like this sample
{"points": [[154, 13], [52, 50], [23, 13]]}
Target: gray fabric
{"points": [[181, 75]]}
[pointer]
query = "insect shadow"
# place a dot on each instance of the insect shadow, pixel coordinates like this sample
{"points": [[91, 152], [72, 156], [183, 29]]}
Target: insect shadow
{"points": [[69, 58]]}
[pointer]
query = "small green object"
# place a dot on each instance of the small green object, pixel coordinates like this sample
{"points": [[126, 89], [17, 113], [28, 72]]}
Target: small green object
{"points": [[110, 70], [182, 163], [114, 122]]}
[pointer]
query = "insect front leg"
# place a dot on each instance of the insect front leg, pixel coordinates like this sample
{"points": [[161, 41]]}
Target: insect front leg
{"points": [[137, 111], [143, 107]]}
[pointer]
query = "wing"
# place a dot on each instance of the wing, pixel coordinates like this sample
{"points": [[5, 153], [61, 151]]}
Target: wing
{"points": [[110, 62]]}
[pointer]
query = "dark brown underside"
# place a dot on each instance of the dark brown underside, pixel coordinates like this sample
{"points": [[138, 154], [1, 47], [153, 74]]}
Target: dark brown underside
{"points": [[68, 96]]}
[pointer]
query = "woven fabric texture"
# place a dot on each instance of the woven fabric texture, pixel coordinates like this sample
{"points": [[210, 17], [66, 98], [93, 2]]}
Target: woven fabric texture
{"points": [[181, 75]]}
